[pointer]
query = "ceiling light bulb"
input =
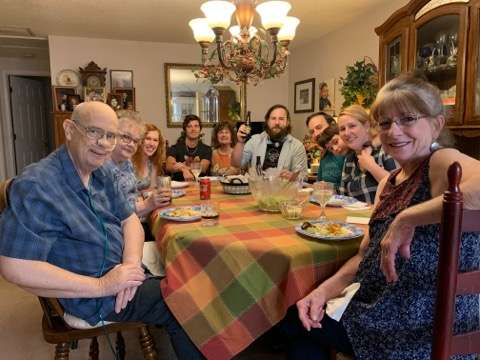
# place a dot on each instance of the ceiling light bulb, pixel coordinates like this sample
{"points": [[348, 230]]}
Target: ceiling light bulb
{"points": [[273, 13], [287, 31], [218, 13], [201, 30]]}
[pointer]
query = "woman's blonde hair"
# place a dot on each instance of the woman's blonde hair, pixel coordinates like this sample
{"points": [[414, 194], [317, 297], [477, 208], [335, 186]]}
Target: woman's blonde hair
{"points": [[410, 94], [157, 157], [360, 114]]}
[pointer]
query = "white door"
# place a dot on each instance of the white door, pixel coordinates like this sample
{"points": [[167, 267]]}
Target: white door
{"points": [[28, 120]]}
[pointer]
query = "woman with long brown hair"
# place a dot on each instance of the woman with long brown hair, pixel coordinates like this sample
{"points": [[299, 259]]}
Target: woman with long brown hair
{"points": [[149, 158]]}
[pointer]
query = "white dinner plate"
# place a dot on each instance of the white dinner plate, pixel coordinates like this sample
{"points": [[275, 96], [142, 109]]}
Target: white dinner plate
{"points": [[336, 200], [179, 184], [166, 213], [176, 193], [355, 231]]}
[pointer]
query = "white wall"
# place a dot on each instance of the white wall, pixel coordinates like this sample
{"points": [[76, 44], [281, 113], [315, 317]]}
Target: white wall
{"points": [[13, 66], [327, 57], [147, 59]]}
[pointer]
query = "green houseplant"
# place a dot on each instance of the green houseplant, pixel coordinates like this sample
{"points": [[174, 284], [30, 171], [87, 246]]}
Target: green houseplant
{"points": [[360, 85]]}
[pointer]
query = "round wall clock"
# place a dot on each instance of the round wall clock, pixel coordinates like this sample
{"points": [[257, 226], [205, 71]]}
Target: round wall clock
{"points": [[68, 77], [94, 81]]}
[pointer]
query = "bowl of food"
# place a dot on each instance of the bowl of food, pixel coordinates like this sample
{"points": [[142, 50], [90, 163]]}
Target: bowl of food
{"points": [[291, 209], [235, 185], [270, 191]]}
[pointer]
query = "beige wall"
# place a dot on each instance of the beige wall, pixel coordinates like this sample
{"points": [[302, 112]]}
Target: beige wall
{"points": [[327, 57], [13, 66], [146, 59]]}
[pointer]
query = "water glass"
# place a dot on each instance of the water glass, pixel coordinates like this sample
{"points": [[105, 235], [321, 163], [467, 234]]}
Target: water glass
{"points": [[164, 183], [210, 212], [323, 191], [196, 169]]}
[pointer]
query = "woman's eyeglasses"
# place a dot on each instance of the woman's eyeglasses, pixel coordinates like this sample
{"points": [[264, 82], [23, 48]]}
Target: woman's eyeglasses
{"points": [[406, 121], [127, 139], [96, 134]]}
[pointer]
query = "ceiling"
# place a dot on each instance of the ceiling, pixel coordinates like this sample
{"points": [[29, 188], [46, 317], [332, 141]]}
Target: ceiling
{"points": [[151, 20]]}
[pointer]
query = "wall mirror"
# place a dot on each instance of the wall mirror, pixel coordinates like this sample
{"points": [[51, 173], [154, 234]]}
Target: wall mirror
{"points": [[186, 94]]}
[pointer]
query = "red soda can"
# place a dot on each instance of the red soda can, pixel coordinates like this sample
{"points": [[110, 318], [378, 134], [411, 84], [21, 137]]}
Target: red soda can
{"points": [[204, 189]]}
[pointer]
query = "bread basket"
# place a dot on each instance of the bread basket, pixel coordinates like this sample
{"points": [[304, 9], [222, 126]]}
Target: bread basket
{"points": [[235, 185]]}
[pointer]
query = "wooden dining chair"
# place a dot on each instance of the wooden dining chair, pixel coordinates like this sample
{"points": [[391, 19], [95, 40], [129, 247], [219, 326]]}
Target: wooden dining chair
{"points": [[455, 220], [4, 193], [57, 331]]}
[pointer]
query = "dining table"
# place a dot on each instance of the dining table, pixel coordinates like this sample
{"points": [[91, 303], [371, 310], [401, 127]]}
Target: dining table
{"points": [[230, 283]]}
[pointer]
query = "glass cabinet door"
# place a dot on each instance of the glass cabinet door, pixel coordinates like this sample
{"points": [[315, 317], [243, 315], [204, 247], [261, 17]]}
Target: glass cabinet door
{"points": [[437, 55], [393, 60]]}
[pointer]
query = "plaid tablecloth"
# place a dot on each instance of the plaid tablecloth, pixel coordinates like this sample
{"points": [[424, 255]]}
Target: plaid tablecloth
{"points": [[229, 283]]}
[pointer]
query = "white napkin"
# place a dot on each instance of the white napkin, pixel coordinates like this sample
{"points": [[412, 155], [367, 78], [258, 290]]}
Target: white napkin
{"points": [[357, 220], [336, 306]]}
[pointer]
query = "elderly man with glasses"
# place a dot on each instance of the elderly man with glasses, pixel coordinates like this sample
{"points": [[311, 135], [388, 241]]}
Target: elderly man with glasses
{"points": [[69, 233]]}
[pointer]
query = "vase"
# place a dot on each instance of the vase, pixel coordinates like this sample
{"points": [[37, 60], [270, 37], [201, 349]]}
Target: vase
{"points": [[360, 99]]}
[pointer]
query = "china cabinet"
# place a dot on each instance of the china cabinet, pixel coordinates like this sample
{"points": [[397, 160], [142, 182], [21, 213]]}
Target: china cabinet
{"points": [[441, 39], [59, 134]]}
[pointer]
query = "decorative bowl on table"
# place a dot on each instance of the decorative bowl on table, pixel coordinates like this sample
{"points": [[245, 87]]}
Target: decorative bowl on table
{"points": [[270, 191], [235, 185]]}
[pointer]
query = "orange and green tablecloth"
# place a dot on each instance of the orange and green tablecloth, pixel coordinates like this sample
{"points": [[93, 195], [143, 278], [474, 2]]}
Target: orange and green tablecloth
{"points": [[229, 283]]}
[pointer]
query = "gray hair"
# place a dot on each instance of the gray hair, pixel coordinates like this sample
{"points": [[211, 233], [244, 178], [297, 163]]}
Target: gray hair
{"points": [[131, 117], [411, 93]]}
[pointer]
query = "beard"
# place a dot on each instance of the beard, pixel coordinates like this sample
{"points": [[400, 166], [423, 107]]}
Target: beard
{"points": [[279, 134]]}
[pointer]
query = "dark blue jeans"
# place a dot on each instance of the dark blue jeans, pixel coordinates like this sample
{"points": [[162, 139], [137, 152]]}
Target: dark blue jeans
{"points": [[149, 307], [316, 343]]}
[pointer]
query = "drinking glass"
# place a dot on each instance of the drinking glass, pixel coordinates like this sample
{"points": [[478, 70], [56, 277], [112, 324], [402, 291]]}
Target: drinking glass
{"points": [[196, 169], [322, 191], [210, 211], [164, 183]]}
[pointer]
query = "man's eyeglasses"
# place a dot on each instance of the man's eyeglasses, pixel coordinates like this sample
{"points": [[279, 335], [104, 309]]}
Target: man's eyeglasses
{"points": [[96, 134], [403, 121], [127, 139]]}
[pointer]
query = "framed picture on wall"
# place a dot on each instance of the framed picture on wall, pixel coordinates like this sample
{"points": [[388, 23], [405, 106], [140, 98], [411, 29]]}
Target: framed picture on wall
{"points": [[73, 101], [304, 100], [94, 94], [121, 79], [127, 98], [114, 101], [60, 97], [326, 96]]}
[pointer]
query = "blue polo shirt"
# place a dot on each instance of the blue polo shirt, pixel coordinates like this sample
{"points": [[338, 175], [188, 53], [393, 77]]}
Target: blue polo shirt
{"points": [[52, 217]]}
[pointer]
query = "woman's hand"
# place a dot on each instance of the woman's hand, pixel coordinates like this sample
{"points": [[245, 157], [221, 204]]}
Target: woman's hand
{"points": [[311, 309], [397, 239], [365, 159], [178, 166], [159, 199]]}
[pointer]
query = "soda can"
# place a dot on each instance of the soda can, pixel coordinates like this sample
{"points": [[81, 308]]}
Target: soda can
{"points": [[205, 188]]}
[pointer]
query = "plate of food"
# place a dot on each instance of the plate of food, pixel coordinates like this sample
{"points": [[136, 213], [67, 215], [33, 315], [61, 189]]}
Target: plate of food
{"points": [[357, 205], [329, 230], [183, 213], [336, 200], [176, 193], [179, 184]]}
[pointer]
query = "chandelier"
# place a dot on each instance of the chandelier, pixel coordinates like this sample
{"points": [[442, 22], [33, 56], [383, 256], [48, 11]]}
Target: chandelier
{"points": [[249, 55]]}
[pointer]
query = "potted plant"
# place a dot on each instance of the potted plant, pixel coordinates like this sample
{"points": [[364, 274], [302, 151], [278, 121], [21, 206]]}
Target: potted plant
{"points": [[360, 86]]}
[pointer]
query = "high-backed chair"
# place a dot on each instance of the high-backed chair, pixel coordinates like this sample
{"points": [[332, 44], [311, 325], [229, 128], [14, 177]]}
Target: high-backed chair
{"points": [[57, 331], [455, 220], [4, 193]]}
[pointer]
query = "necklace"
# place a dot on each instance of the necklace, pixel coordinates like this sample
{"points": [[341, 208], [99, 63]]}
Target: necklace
{"points": [[190, 152]]}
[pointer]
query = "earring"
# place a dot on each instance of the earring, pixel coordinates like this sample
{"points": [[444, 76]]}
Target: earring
{"points": [[434, 146]]}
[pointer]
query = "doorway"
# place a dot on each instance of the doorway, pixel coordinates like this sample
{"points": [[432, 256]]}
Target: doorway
{"points": [[30, 106]]}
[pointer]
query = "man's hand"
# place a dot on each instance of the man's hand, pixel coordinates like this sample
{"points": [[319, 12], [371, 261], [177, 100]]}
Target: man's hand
{"points": [[178, 166], [397, 239], [311, 309], [187, 174], [121, 277], [242, 133], [123, 297], [289, 175]]}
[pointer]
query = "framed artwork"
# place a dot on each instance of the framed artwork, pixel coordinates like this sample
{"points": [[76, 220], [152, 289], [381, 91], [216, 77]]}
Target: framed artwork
{"points": [[326, 96], [304, 100], [121, 79], [115, 101], [94, 94], [73, 101], [127, 98], [60, 97]]}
